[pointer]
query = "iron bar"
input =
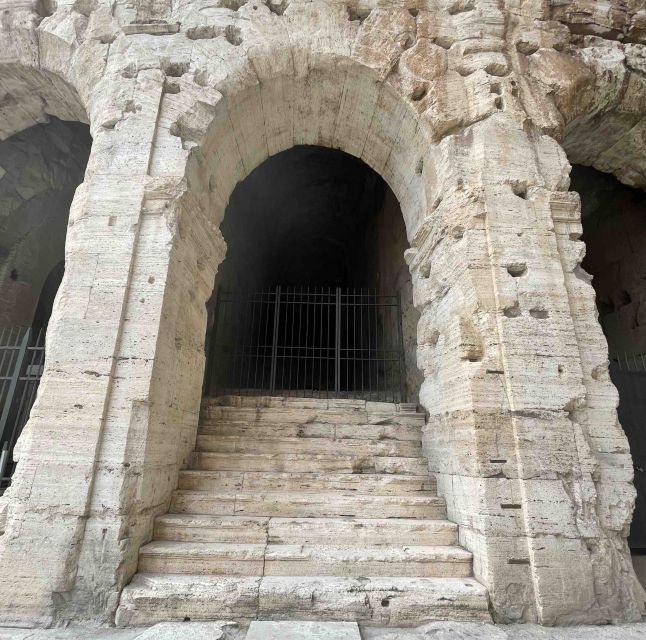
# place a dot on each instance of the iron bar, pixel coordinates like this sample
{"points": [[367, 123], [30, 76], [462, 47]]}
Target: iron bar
{"points": [[315, 341]]}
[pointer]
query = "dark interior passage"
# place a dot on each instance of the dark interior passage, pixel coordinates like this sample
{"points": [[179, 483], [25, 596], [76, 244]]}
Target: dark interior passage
{"points": [[614, 230], [326, 229], [40, 169]]}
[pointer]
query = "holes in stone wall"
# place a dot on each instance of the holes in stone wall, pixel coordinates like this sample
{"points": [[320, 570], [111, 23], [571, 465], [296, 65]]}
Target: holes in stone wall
{"points": [[498, 103], [45, 8], [414, 12], [174, 69], [356, 14], [171, 87], [385, 602], [233, 35], [540, 314], [526, 48], [512, 311], [278, 8], [418, 93], [419, 167], [517, 269], [520, 190], [461, 6], [233, 5], [203, 32]]}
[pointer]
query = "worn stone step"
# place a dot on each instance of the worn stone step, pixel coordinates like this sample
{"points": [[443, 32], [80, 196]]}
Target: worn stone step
{"points": [[315, 430], [304, 505], [303, 560], [364, 483], [347, 446], [216, 413], [385, 601], [309, 403], [307, 462], [343, 531]]}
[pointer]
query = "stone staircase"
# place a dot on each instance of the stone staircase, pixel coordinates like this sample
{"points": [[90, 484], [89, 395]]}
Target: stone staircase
{"points": [[305, 509]]}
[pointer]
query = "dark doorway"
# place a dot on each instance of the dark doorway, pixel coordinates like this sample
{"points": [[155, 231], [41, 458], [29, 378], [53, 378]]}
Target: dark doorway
{"points": [[614, 230], [314, 296], [40, 169]]}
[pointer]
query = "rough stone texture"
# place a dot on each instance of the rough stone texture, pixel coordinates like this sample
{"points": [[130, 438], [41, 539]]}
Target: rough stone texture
{"points": [[470, 112], [162, 631], [431, 631], [305, 544], [298, 630]]}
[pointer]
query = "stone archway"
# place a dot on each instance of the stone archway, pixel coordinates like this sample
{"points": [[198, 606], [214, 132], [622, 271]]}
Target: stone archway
{"points": [[502, 338]]}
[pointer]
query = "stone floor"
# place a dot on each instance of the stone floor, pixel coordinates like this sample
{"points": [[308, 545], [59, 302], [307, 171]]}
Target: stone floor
{"points": [[432, 631]]}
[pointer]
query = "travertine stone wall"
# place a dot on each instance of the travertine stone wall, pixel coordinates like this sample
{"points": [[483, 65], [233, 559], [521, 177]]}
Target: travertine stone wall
{"points": [[467, 110]]}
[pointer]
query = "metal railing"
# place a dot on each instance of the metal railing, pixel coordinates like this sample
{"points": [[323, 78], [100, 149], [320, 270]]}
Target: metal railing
{"points": [[309, 342], [22, 356], [628, 362]]}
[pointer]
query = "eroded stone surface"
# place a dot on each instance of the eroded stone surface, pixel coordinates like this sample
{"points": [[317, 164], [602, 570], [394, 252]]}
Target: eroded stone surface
{"points": [[470, 112], [298, 630]]}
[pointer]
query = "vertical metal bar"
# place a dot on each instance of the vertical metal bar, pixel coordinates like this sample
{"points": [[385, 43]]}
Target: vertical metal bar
{"points": [[376, 310], [383, 348], [211, 364], [4, 458], [265, 340], [402, 363], [337, 345], [314, 353], [274, 343], [328, 344], [291, 308], [354, 340], [299, 338], [4, 418], [321, 352]]}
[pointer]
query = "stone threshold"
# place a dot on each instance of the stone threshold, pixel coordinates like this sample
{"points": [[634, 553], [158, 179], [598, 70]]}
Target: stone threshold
{"points": [[331, 631]]}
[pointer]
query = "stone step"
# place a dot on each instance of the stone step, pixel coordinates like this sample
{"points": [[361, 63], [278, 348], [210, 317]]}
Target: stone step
{"points": [[362, 483], [304, 463], [347, 446], [386, 601], [309, 403], [284, 415], [303, 560], [305, 505], [343, 531], [315, 430]]}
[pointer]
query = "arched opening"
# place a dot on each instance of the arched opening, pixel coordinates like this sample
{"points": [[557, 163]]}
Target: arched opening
{"points": [[40, 169], [314, 297], [614, 230]]}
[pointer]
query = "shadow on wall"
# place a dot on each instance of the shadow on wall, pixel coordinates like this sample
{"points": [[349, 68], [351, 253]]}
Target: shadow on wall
{"points": [[614, 230], [40, 169]]}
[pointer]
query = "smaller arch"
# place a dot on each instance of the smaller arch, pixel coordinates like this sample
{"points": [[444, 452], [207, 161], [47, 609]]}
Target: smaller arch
{"points": [[29, 96]]}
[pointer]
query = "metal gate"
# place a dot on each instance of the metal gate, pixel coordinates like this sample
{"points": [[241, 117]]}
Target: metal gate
{"points": [[22, 355], [308, 342]]}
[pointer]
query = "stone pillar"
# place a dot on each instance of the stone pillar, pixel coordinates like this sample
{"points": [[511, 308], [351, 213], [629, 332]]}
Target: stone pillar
{"points": [[88, 485], [522, 431]]}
